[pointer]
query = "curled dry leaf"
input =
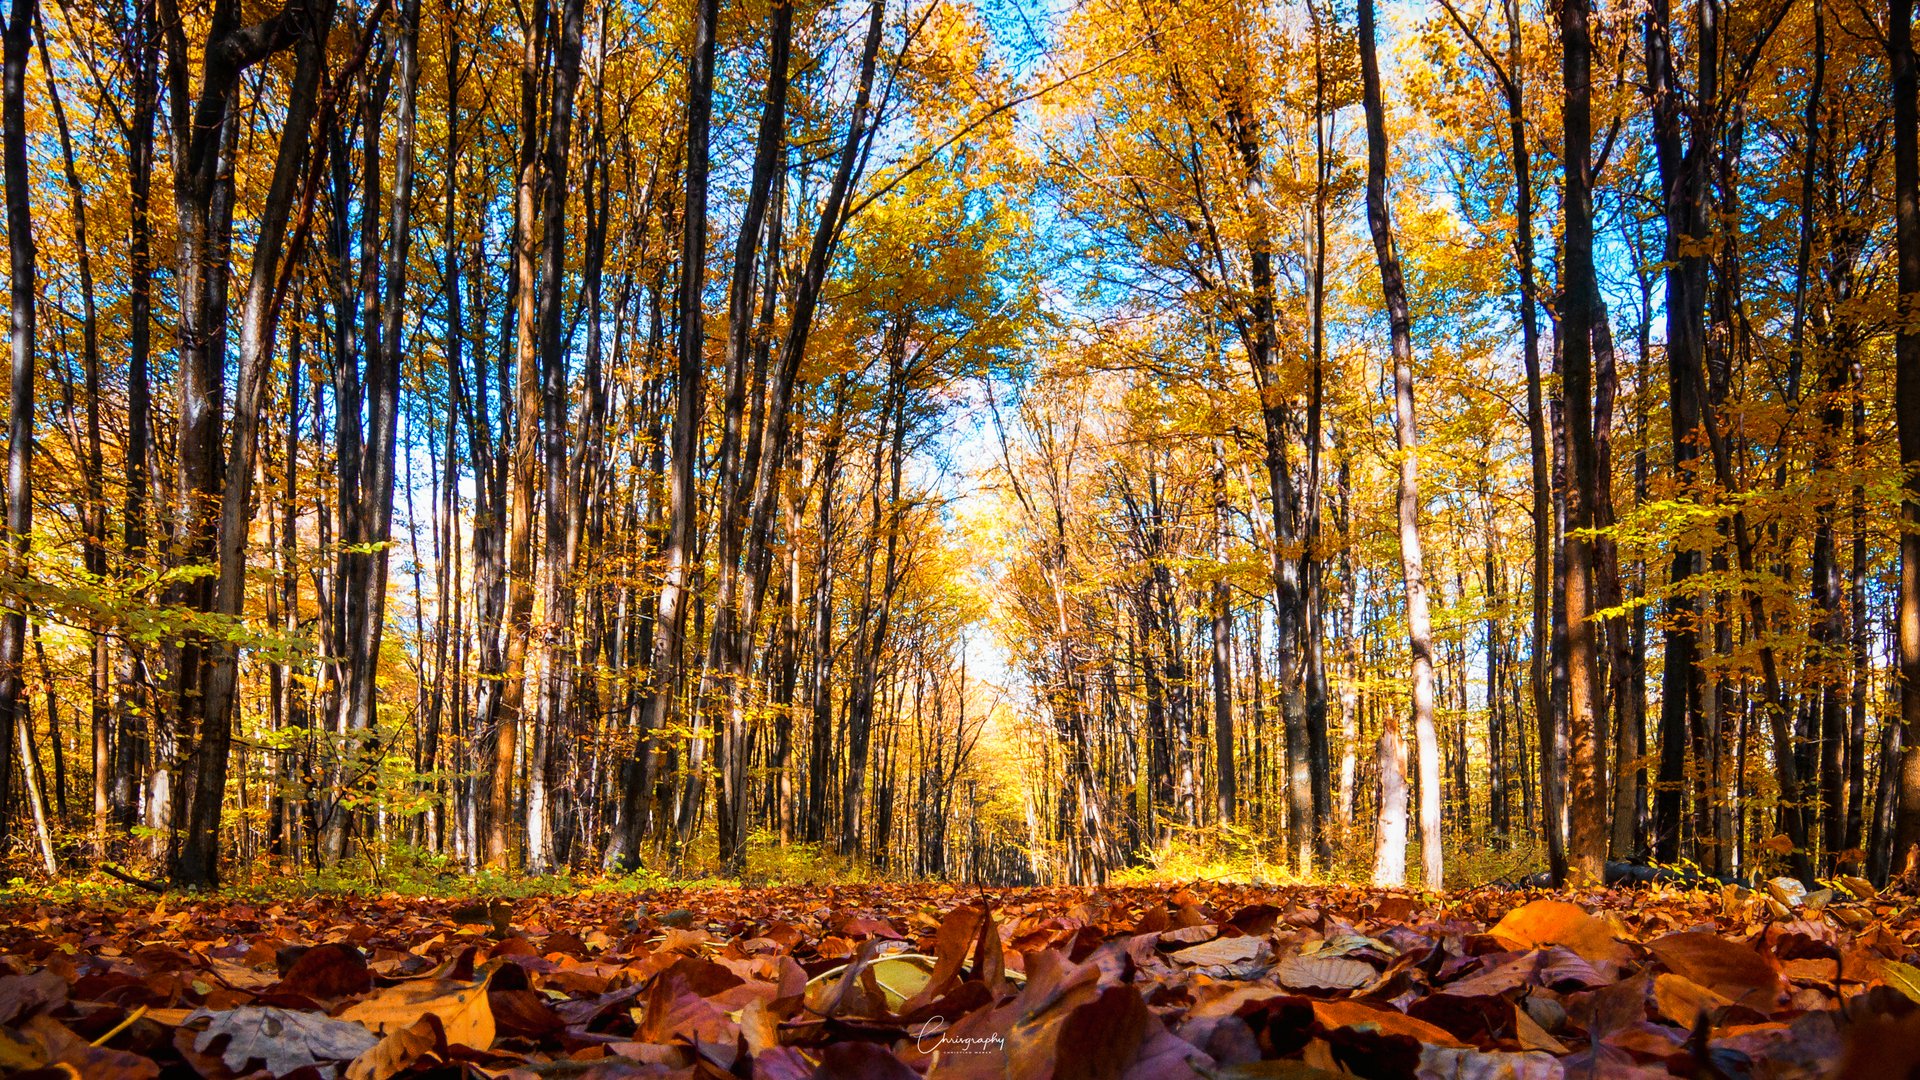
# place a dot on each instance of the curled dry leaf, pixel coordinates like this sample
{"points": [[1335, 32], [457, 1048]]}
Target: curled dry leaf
{"points": [[422, 1041]]}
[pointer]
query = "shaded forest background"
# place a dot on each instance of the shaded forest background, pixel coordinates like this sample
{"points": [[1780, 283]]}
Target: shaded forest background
{"points": [[955, 439]]}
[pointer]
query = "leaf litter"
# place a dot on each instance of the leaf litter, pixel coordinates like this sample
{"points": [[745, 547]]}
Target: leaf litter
{"points": [[893, 982]]}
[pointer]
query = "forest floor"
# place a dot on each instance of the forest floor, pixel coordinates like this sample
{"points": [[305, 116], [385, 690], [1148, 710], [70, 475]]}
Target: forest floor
{"points": [[877, 982]]}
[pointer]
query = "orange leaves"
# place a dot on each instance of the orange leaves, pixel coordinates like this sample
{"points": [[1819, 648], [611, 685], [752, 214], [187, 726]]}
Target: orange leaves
{"points": [[1361, 1017], [422, 1041], [1732, 969], [460, 1007], [1557, 922], [1039, 984]]}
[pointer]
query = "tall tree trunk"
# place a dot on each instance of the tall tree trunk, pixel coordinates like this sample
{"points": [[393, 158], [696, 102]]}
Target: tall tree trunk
{"points": [[1222, 620], [208, 669], [1511, 77], [1406, 439], [93, 516], [1586, 794], [669, 628], [512, 689], [21, 258], [1681, 181], [1906, 216], [141, 56], [721, 690], [556, 659]]}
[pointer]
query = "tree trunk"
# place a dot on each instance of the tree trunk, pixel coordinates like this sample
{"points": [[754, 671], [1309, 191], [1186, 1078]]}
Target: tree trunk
{"points": [[21, 257], [1906, 216], [669, 628], [93, 516], [556, 654], [721, 703], [1406, 439], [1586, 795], [141, 56], [1222, 620]]}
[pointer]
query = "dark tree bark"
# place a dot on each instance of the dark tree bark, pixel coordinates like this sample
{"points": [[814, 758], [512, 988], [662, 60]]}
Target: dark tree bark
{"points": [[1906, 217], [669, 628], [1588, 810], [93, 516], [721, 694], [556, 659], [1682, 180], [204, 678], [140, 46], [1222, 626], [366, 472], [1511, 78], [21, 260]]}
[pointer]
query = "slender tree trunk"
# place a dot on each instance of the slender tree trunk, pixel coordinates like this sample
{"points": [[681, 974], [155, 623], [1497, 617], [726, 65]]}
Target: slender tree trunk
{"points": [[1222, 620], [1586, 793], [1681, 178], [93, 516], [1406, 439], [525, 463], [1906, 215], [208, 670], [669, 628], [21, 259], [721, 690], [556, 659], [141, 49]]}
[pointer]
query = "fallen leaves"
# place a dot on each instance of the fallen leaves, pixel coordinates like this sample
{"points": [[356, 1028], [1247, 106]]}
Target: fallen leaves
{"points": [[1557, 922], [461, 1008], [281, 1040], [893, 983]]}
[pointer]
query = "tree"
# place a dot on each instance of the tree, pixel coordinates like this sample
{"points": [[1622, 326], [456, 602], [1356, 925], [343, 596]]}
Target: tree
{"points": [[22, 296], [1406, 439]]}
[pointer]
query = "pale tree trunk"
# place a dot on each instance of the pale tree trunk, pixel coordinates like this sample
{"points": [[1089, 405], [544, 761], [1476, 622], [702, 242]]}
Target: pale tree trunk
{"points": [[21, 257], [1406, 438], [36, 794]]}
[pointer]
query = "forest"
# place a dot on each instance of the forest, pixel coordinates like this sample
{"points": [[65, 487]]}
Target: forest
{"points": [[1010, 444]]}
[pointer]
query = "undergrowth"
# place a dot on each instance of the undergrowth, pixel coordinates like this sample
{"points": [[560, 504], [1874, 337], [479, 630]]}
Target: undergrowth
{"points": [[1223, 854]]}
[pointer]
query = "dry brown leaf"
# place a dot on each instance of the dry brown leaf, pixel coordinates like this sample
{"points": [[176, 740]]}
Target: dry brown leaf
{"points": [[424, 1040]]}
